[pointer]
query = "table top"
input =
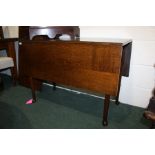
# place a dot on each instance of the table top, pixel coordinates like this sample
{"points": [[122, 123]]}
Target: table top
{"points": [[107, 40], [87, 40]]}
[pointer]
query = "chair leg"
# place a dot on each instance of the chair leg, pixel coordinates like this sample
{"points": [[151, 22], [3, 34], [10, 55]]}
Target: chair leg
{"points": [[14, 75]]}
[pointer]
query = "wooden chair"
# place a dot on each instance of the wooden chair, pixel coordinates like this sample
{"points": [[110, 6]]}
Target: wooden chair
{"points": [[5, 61]]}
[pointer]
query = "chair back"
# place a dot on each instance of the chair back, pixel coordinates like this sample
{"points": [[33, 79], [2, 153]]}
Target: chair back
{"points": [[48, 32]]}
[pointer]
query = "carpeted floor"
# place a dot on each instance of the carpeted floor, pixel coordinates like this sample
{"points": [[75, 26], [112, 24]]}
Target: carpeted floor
{"points": [[62, 109]]}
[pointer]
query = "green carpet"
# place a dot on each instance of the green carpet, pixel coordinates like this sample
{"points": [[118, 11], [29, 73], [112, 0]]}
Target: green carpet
{"points": [[62, 109]]}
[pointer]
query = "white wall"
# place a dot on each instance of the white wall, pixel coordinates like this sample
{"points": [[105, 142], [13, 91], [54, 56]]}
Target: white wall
{"points": [[137, 89]]}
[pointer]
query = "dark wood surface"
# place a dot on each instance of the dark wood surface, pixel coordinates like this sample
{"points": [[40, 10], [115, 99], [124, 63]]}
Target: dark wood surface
{"points": [[94, 66], [29, 32], [89, 63], [53, 31], [1, 33], [126, 56], [43, 33]]}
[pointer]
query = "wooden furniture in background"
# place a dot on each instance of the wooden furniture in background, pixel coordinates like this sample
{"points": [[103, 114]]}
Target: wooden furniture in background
{"points": [[1, 33], [28, 32], [8, 44], [95, 65], [43, 33]]}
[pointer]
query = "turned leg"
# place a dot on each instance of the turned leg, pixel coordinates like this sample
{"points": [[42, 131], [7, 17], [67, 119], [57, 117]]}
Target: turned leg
{"points": [[32, 89], [116, 101], [106, 109], [54, 86]]}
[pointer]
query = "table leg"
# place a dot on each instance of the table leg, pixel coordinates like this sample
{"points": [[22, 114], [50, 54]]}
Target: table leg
{"points": [[106, 109], [118, 92], [14, 75], [32, 89], [54, 86]]}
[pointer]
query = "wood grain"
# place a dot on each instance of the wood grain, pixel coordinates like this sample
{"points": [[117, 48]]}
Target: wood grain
{"points": [[88, 66]]}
